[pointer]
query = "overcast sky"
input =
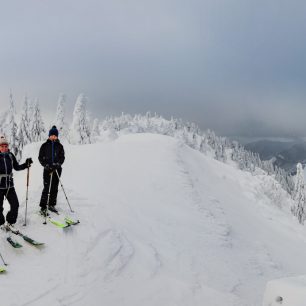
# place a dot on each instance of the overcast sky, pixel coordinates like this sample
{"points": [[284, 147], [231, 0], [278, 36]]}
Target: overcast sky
{"points": [[236, 66]]}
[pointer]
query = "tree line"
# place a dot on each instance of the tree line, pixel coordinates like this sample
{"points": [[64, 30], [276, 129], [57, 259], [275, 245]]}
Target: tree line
{"points": [[31, 127]]}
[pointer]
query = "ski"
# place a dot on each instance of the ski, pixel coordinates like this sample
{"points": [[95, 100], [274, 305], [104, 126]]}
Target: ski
{"points": [[67, 220], [71, 222], [61, 224], [54, 222], [30, 240], [58, 224], [14, 243], [26, 238]]}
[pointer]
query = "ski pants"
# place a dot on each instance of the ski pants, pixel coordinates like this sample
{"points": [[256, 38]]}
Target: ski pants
{"points": [[53, 191], [11, 196]]}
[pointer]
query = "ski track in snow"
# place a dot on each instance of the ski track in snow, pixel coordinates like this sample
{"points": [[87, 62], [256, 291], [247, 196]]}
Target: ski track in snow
{"points": [[212, 209]]}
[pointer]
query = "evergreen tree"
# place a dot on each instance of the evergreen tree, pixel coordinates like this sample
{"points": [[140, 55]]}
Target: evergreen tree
{"points": [[24, 130], [299, 209], [79, 130], [37, 126], [12, 128], [95, 132], [59, 120], [31, 109], [3, 122]]}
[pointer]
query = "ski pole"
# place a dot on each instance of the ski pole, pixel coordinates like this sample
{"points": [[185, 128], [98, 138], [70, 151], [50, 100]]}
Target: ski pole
{"points": [[27, 196], [64, 190], [48, 197], [3, 260]]}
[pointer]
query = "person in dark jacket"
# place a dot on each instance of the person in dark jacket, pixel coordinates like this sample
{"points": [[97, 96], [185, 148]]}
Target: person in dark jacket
{"points": [[51, 156], [8, 162]]}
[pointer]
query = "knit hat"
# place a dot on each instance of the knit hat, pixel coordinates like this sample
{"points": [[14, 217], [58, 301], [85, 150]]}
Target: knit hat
{"points": [[53, 131], [3, 140]]}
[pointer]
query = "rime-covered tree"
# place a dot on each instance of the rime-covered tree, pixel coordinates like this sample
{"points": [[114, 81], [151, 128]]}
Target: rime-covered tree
{"points": [[3, 122], [31, 108], [24, 128], [79, 131], [37, 125], [59, 120], [299, 207], [12, 128], [95, 132]]}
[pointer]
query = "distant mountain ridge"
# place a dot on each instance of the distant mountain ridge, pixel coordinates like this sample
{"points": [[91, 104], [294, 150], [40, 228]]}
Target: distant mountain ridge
{"points": [[268, 149], [289, 158], [285, 155]]}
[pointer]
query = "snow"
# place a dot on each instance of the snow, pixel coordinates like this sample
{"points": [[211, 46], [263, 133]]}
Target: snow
{"points": [[161, 224], [289, 291]]}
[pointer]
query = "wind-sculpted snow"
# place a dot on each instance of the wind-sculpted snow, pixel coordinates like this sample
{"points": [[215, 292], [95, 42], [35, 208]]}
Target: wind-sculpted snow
{"points": [[161, 224]]}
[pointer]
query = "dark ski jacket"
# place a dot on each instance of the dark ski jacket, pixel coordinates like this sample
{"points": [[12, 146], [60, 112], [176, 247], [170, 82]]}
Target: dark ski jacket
{"points": [[51, 152], [8, 162]]}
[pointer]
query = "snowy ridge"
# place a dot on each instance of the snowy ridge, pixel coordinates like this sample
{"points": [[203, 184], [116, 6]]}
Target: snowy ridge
{"points": [[161, 224], [221, 148]]}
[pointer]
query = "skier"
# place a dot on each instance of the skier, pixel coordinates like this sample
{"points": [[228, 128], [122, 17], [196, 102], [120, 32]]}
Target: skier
{"points": [[8, 162], [51, 156]]}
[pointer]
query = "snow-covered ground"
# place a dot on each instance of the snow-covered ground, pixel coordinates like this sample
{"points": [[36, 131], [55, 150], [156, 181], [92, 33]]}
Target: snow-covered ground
{"points": [[161, 224], [288, 291]]}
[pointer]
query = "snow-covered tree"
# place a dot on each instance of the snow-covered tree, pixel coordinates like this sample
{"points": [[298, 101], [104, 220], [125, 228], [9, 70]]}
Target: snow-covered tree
{"points": [[59, 120], [31, 109], [299, 207], [37, 125], [12, 128], [95, 131], [3, 122], [79, 131], [24, 128]]}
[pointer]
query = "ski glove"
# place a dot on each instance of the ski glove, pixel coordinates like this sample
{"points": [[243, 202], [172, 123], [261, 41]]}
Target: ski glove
{"points": [[56, 166], [48, 168], [29, 161]]}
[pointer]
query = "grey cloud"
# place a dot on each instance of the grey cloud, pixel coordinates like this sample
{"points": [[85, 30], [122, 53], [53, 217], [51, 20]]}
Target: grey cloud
{"points": [[234, 66]]}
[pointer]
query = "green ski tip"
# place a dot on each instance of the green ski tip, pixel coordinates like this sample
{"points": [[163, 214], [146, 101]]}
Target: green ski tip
{"points": [[59, 224], [71, 222], [2, 269]]}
